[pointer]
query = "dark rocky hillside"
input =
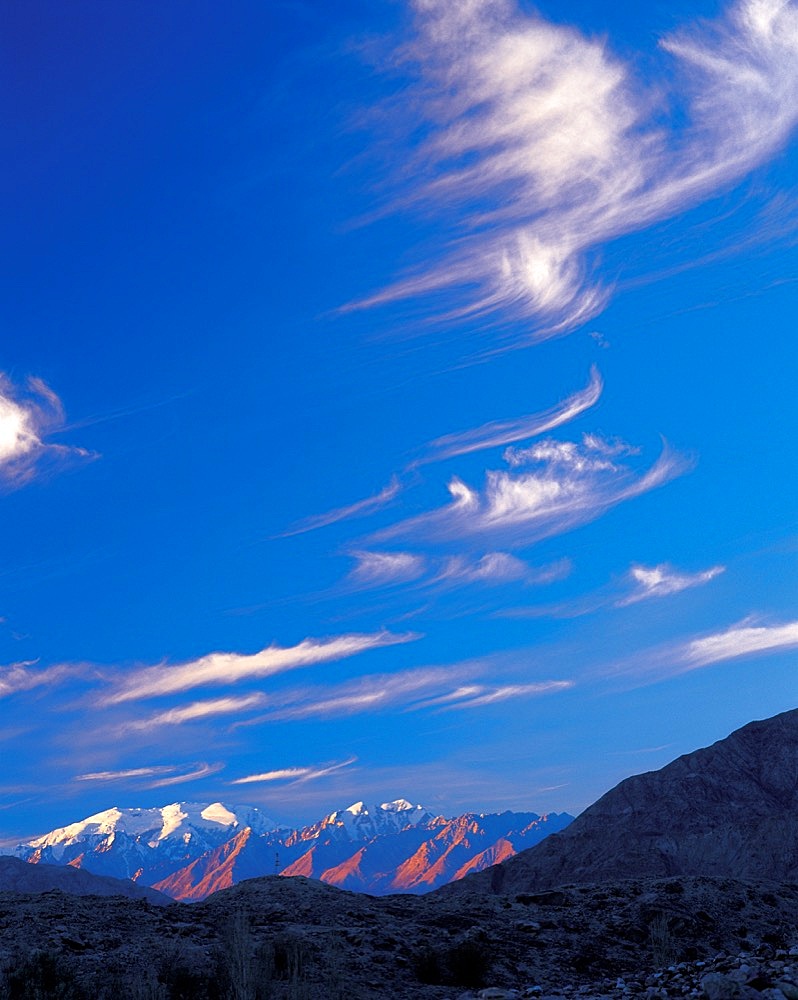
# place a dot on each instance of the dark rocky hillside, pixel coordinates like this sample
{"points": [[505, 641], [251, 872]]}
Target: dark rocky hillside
{"points": [[17, 876], [729, 810]]}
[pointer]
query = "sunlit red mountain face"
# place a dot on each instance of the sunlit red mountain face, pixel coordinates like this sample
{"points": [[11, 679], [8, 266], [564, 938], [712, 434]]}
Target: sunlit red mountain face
{"points": [[190, 850]]}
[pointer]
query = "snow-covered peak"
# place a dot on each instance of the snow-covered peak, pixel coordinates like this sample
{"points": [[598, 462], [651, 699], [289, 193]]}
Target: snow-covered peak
{"points": [[399, 805], [362, 822], [217, 813], [131, 821], [176, 821]]}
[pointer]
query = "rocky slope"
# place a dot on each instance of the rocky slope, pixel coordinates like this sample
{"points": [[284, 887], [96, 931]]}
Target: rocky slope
{"points": [[728, 810], [18, 877]]}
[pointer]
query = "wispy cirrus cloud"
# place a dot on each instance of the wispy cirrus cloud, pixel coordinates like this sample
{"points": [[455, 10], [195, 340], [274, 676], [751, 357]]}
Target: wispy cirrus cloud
{"points": [[480, 695], [641, 583], [503, 432], [297, 775], [663, 580], [379, 569], [462, 685], [496, 568], [569, 487], [594, 454], [744, 639], [540, 146], [492, 569], [25, 676], [361, 508], [196, 711], [740, 640], [230, 668], [494, 434], [166, 774], [27, 414], [201, 770], [126, 773]]}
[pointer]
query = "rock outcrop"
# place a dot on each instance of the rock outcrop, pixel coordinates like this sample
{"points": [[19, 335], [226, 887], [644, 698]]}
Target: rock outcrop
{"points": [[729, 810]]}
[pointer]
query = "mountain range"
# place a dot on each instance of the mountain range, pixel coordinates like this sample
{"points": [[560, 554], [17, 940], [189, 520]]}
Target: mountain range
{"points": [[190, 850]]}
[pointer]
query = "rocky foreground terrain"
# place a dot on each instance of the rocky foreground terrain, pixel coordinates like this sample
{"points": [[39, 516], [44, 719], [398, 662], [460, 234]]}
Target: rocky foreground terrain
{"points": [[295, 937]]}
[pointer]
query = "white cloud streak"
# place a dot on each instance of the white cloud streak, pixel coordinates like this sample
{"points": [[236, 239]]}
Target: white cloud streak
{"points": [[593, 455], [198, 770], [202, 770], [296, 775], [456, 686], [128, 774], [497, 568], [740, 640], [27, 414], [744, 639], [492, 568], [663, 580], [361, 508], [379, 569], [541, 146], [18, 677], [641, 583], [230, 668], [490, 696], [490, 435], [503, 432], [481, 695], [197, 710]]}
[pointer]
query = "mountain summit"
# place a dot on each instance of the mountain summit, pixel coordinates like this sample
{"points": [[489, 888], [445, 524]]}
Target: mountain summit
{"points": [[178, 821], [143, 844]]}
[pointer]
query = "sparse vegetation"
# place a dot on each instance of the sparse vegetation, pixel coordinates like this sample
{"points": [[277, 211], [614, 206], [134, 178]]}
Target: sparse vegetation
{"points": [[281, 968], [40, 975], [662, 942]]}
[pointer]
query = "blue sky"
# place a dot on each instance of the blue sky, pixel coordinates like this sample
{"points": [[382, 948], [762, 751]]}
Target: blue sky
{"points": [[398, 400]]}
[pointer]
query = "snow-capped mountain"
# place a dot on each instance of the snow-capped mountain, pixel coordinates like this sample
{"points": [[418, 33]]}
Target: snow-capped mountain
{"points": [[190, 850], [143, 844], [179, 821], [362, 822]]}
